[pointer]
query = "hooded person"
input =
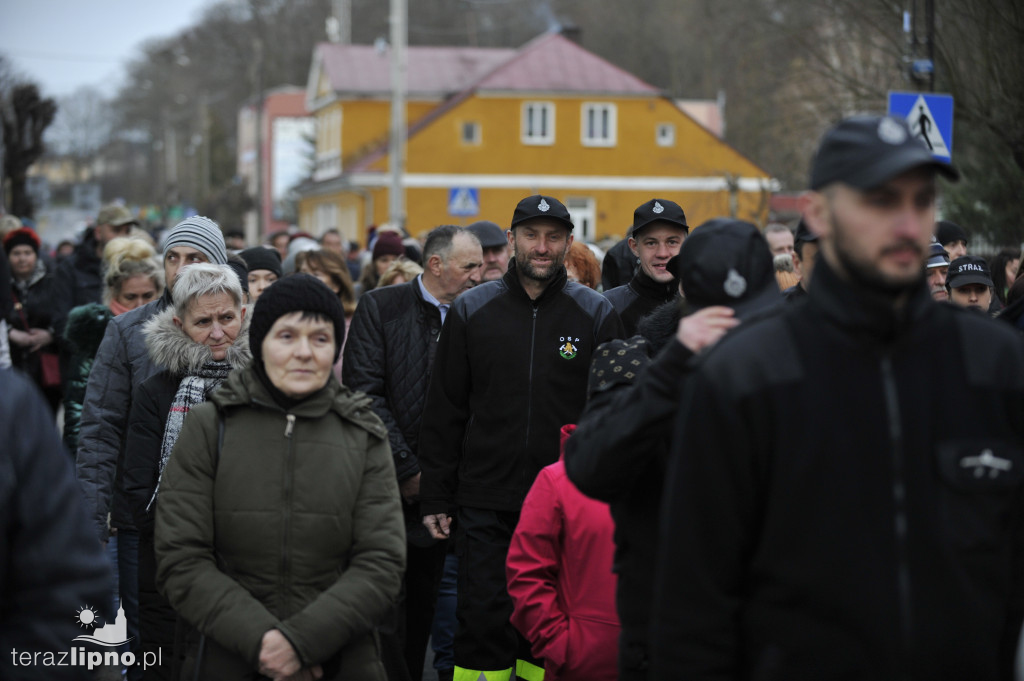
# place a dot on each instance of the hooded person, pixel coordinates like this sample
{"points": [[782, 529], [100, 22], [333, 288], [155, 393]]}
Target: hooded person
{"points": [[197, 341], [618, 451], [307, 600]]}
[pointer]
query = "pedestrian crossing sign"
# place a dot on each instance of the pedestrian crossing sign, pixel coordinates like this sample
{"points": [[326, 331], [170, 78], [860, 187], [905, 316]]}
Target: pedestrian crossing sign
{"points": [[930, 118], [463, 202]]}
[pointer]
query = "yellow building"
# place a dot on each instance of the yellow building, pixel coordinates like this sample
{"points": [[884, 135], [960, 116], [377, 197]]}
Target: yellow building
{"points": [[490, 126]]}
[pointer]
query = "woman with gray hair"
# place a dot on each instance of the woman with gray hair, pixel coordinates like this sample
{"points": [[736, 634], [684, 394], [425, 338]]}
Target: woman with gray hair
{"points": [[198, 341]]}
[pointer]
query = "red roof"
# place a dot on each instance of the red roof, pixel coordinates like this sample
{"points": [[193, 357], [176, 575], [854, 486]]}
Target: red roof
{"points": [[553, 63], [431, 70]]}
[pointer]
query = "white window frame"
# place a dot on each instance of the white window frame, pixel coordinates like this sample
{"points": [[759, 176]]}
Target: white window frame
{"points": [[609, 112], [328, 152], [583, 210], [665, 140], [545, 111], [326, 217], [475, 138]]}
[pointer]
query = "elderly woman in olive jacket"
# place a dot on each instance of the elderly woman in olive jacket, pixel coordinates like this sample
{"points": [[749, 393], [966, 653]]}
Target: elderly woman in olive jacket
{"points": [[279, 526]]}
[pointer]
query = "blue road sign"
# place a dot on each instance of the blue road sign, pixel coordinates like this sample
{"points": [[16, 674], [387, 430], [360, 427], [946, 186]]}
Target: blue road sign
{"points": [[930, 118], [463, 202]]}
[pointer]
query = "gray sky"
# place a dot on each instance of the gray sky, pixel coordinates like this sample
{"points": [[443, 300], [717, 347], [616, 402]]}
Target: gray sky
{"points": [[64, 44]]}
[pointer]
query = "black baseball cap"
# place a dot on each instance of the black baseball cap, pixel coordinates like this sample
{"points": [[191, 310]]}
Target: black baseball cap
{"points": [[947, 232], [489, 234], [539, 206], [867, 151], [658, 210], [968, 269], [727, 262]]}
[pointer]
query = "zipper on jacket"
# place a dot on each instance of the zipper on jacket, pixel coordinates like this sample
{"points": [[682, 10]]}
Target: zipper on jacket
{"points": [[287, 510], [899, 495], [529, 381]]}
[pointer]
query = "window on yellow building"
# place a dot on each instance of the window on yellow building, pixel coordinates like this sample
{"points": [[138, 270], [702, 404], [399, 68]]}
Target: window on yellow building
{"points": [[538, 123], [470, 132], [598, 125], [665, 135]]}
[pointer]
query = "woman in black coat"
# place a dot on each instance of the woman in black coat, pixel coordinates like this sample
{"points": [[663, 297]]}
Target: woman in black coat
{"points": [[33, 349]]}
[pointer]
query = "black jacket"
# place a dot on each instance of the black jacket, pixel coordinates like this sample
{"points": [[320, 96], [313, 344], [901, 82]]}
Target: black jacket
{"points": [[509, 372], [79, 280], [618, 455], [388, 355], [845, 497], [618, 265], [639, 297], [33, 301], [51, 564]]}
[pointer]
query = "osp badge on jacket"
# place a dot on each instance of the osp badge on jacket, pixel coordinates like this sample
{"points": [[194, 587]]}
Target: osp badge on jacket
{"points": [[568, 348]]}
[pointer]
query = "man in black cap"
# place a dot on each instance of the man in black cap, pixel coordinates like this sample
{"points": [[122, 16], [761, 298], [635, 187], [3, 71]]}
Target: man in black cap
{"points": [[969, 283], [659, 227], [619, 449], [936, 271], [829, 511], [952, 237], [496, 249], [511, 369], [805, 250]]}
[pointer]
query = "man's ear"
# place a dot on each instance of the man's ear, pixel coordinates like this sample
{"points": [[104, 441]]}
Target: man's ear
{"points": [[632, 246], [434, 264], [815, 211], [511, 236]]}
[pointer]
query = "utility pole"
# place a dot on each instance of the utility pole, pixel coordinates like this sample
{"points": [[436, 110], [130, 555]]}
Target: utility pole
{"points": [[339, 24], [396, 157]]}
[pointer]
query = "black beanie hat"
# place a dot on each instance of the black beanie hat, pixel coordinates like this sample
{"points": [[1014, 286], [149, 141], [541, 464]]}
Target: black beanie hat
{"points": [[295, 293], [260, 258]]}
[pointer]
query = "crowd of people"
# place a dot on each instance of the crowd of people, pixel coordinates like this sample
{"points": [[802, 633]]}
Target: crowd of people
{"points": [[713, 452]]}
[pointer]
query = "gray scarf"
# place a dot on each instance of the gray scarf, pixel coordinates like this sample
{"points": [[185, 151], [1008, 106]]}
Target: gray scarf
{"points": [[193, 389]]}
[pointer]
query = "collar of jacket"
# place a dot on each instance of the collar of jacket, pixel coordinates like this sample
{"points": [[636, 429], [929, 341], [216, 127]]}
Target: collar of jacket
{"points": [[646, 287], [554, 287], [863, 312], [244, 388], [171, 349], [425, 305]]}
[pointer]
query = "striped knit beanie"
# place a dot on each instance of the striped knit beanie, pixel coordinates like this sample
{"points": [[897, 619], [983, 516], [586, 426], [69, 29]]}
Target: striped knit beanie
{"points": [[202, 234]]}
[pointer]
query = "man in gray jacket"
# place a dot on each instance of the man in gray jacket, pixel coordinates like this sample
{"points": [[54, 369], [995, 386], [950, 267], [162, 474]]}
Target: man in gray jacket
{"points": [[121, 364]]}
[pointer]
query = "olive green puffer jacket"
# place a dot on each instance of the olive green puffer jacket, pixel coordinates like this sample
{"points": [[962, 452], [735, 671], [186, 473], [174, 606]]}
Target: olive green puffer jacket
{"points": [[296, 524]]}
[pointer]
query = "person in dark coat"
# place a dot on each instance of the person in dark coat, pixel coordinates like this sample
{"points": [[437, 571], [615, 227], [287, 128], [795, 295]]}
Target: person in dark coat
{"points": [[198, 342], [618, 265], [659, 227], [79, 278], [619, 450], [388, 355], [845, 497], [30, 321], [51, 565]]}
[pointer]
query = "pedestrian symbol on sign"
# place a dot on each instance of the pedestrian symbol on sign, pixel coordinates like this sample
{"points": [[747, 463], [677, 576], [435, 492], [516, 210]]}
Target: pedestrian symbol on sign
{"points": [[463, 202]]}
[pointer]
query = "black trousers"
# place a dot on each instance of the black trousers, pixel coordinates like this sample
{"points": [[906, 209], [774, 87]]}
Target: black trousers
{"points": [[485, 639]]}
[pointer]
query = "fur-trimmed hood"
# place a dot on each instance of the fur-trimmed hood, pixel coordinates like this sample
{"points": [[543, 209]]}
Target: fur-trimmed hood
{"points": [[171, 349]]}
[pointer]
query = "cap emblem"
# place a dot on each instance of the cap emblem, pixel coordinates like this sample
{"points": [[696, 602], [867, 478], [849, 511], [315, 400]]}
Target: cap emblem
{"points": [[735, 284], [543, 206], [891, 132], [658, 208]]}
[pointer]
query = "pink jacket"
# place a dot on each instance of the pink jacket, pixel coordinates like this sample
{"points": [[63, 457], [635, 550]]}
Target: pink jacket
{"points": [[559, 572]]}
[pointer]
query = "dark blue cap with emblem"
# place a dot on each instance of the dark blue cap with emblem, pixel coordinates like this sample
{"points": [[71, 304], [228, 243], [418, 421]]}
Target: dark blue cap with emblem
{"points": [[867, 151], [537, 207]]}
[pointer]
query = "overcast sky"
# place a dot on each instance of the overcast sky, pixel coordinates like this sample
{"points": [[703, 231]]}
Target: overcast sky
{"points": [[62, 45]]}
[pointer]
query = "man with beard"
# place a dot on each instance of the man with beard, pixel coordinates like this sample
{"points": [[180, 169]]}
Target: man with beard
{"points": [[510, 370], [831, 511], [936, 271]]}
